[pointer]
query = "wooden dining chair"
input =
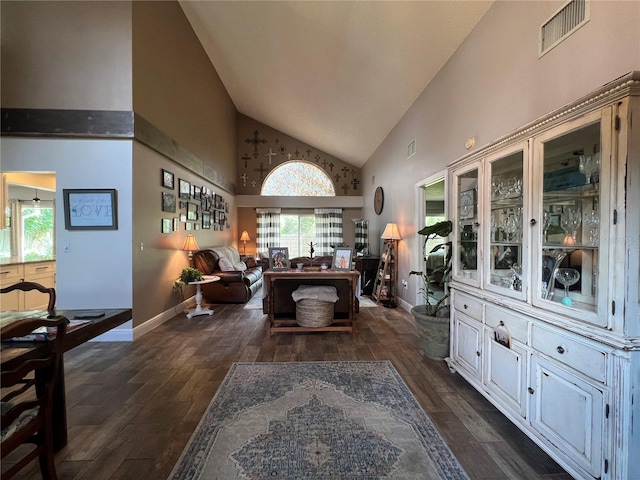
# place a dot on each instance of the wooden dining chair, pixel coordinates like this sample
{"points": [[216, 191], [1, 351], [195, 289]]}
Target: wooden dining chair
{"points": [[27, 398], [28, 286]]}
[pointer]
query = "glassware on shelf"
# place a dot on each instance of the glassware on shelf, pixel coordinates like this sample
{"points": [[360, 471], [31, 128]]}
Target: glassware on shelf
{"points": [[570, 221], [546, 219], [589, 164], [567, 277], [591, 220], [516, 276]]}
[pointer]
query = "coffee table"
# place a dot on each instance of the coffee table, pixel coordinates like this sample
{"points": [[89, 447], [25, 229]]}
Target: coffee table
{"points": [[200, 310]]}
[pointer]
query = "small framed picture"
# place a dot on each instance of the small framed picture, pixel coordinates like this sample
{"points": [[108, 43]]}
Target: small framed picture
{"points": [[168, 202], [187, 226], [196, 226], [167, 179], [183, 217], [185, 188], [192, 191], [342, 258], [176, 224], [197, 193], [192, 211], [206, 220], [279, 258], [166, 225]]}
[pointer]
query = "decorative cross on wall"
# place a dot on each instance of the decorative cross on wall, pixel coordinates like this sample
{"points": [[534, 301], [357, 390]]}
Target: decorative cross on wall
{"points": [[344, 170], [283, 149], [345, 188], [325, 163], [253, 183], [308, 152], [318, 157], [355, 183], [245, 158], [337, 177], [244, 178], [331, 165], [255, 141], [261, 170], [289, 156], [270, 154]]}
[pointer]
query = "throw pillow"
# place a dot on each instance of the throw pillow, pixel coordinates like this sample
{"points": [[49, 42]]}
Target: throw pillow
{"points": [[240, 266], [226, 265], [251, 262]]}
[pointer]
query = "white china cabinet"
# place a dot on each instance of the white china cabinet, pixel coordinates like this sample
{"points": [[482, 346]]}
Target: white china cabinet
{"points": [[546, 279]]}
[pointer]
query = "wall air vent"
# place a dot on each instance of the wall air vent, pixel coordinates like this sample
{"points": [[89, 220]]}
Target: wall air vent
{"points": [[562, 24], [411, 148]]}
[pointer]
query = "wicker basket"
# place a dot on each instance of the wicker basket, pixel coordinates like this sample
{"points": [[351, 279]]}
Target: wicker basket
{"points": [[314, 313]]}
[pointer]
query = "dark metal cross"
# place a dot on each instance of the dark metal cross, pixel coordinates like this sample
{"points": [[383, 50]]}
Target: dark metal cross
{"points": [[345, 188], [283, 149], [355, 183], [297, 153], [331, 165], [308, 152], [245, 158], [318, 157], [337, 177], [325, 163], [353, 173], [261, 170], [255, 141], [344, 171]]}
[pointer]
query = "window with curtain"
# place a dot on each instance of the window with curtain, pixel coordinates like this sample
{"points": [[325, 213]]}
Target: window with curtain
{"points": [[268, 230], [328, 229]]}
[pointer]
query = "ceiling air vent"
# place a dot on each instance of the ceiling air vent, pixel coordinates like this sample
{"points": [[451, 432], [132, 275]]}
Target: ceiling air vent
{"points": [[411, 148], [562, 24]]}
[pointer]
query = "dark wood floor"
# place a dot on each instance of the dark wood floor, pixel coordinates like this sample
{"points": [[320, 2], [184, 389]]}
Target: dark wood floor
{"points": [[133, 406]]}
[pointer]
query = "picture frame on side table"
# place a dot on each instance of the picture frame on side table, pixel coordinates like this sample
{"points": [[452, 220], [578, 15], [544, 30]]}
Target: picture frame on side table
{"points": [[90, 209], [279, 258], [342, 259]]}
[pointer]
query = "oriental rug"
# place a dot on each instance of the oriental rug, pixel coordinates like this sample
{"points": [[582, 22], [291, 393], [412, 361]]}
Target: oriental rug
{"points": [[315, 421]]}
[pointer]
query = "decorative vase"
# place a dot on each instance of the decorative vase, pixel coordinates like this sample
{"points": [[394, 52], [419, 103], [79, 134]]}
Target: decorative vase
{"points": [[434, 332]]}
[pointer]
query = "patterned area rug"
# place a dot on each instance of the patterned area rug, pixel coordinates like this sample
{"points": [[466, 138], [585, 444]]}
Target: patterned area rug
{"points": [[315, 421]]}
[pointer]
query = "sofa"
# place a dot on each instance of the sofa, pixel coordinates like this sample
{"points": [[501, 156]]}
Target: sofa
{"points": [[239, 280]]}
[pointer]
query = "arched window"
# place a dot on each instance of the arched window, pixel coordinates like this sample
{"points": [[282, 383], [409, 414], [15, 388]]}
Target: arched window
{"points": [[300, 179]]}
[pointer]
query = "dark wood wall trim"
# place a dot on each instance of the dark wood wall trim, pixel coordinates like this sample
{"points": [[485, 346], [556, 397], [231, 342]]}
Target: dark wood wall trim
{"points": [[103, 124], [67, 123], [154, 138]]}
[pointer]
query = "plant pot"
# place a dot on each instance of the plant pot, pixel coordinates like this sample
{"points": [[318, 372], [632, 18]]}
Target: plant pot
{"points": [[434, 332]]}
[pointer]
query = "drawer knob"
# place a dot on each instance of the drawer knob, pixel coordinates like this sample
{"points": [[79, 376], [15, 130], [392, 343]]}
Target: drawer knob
{"points": [[465, 306], [478, 353], [560, 350], [532, 221], [531, 390]]}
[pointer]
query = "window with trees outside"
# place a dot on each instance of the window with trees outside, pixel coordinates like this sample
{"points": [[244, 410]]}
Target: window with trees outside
{"points": [[297, 232], [30, 232]]}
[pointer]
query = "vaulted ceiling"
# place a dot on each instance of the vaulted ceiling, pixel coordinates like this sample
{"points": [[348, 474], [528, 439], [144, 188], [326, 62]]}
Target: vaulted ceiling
{"points": [[336, 75]]}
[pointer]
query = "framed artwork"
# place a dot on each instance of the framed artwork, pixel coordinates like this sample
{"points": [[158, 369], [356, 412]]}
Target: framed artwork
{"points": [[279, 258], [206, 220], [166, 225], [342, 258], [192, 211], [187, 226], [90, 209], [176, 224], [197, 192], [196, 226], [183, 217], [467, 204], [192, 191], [184, 188], [168, 202], [226, 207], [168, 179]]}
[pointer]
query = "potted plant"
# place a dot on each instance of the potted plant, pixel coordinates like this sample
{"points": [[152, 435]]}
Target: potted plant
{"points": [[188, 275], [432, 317]]}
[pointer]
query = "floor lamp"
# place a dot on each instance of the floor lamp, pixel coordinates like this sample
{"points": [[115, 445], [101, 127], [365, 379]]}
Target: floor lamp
{"points": [[391, 235]]}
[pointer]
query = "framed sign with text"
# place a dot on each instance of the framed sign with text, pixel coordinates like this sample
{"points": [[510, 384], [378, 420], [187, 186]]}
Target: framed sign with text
{"points": [[90, 209]]}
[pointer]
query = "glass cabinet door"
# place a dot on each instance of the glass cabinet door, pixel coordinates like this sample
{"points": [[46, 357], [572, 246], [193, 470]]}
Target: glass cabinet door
{"points": [[466, 225], [507, 267], [570, 203]]}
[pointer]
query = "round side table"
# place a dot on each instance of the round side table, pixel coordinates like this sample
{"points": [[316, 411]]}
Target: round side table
{"points": [[200, 310]]}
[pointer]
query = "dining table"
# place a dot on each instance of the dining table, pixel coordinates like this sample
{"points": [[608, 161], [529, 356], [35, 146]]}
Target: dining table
{"points": [[85, 325]]}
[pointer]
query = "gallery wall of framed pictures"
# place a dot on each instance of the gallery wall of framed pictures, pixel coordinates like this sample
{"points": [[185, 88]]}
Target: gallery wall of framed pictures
{"points": [[196, 206]]}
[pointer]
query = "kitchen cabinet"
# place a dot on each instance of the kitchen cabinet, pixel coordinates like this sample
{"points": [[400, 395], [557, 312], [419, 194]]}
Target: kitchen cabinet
{"points": [[43, 273]]}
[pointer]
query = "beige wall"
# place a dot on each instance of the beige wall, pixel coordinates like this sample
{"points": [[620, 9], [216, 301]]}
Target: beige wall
{"points": [[176, 88], [492, 85], [66, 55]]}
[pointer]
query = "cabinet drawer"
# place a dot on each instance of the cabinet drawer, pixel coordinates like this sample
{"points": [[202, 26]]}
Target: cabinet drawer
{"points": [[468, 305], [518, 326], [38, 268], [10, 274], [569, 350]]}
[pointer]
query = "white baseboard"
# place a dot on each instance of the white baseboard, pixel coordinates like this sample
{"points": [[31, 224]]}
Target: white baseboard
{"points": [[406, 306], [125, 333]]}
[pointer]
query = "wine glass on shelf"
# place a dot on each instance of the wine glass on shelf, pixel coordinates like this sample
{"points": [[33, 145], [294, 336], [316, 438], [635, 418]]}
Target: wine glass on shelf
{"points": [[591, 220], [570, 221], [589, 164], [567, 277]]}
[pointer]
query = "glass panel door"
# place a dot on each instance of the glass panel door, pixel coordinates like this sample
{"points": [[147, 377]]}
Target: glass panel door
{"points": [[571, 203], [507, 264], [467, 209]]}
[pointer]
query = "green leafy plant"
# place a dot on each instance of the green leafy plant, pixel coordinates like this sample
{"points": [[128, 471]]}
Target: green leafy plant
{"points": [[435, 303], [190, 275]]}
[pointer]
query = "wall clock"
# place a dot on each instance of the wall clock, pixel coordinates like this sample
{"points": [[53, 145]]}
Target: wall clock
{"points": [[378, 200]]}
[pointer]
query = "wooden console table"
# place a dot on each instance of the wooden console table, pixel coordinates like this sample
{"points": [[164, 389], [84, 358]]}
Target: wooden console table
{"points": [[280, 317]]}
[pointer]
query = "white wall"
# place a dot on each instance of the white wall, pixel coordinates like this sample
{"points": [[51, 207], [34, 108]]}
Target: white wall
{"points": [[97, 273]]}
